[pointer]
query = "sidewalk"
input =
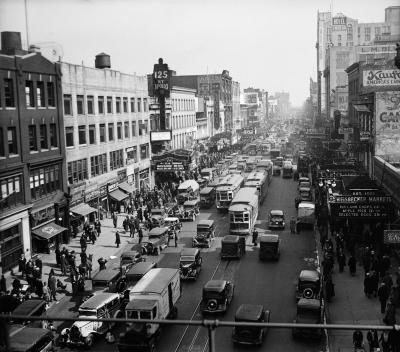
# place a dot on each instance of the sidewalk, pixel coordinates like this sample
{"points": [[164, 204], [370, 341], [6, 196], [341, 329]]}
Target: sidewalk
{"points": [[351, 306], [104, 247]]}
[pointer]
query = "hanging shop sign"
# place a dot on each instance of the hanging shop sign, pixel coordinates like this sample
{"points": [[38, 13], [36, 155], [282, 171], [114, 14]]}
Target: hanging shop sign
{"points": [[391, 236], [103, 191], [112, 185], [365, 136]]}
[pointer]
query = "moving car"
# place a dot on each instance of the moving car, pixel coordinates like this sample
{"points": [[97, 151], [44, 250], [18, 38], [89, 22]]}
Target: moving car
{"points": [[191, 210], [276, 219], [309, 311], [157, 239], [205, 234], [233, 247], [217, 296], [309, 285], [190, 263], [31, 307], [305, 214], [107, 279], [134, 274], [207, 197], [250, 335], [269, 247], [128, 259], [157, 216]]}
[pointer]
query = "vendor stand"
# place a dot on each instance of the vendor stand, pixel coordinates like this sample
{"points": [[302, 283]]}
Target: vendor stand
{"points": [[47, 237]]}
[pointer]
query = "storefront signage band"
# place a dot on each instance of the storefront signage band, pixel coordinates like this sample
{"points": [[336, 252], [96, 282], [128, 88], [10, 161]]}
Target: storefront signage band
{"points": [[360, 199], [373, 78]]}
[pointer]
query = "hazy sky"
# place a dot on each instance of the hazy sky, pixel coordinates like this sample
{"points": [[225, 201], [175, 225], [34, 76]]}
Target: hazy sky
{"points": [[268, 44]]}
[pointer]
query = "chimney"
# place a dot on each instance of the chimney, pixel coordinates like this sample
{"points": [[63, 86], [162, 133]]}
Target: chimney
{"points": [[102, 61], [11, 43]]}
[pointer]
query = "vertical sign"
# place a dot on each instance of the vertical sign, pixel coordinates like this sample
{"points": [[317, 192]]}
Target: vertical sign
{"points": [[161, 79]]}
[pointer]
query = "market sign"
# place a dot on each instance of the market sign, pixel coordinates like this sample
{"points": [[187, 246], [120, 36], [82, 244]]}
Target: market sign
{"points": [[391, 236], [375, 78]]}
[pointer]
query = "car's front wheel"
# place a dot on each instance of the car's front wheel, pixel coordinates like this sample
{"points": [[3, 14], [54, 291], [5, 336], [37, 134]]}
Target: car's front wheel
{"points": [[89, 340]]}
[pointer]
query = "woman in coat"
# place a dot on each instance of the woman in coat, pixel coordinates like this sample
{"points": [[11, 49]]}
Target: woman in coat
{"points": [[117, 239]]}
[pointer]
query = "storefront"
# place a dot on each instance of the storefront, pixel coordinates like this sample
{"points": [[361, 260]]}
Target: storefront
{"points": [[144, 177], [46, 237], [82, 212], [116, 198], [11, 242]]}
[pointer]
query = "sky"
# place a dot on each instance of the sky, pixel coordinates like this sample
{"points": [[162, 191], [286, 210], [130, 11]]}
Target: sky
{"points": [[266, 44]]}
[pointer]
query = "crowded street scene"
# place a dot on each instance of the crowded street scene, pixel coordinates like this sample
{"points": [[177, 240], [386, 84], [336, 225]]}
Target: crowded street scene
{"points": [[181, 209]]}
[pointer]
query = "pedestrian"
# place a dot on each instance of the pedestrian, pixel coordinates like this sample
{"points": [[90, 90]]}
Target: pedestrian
{"points": [[58, 255], [387, 279], [383, 295], [16, 284], [117, 239], [83, 256], [368, 285], [64, 264], [93, 235], [131, 228], [97, 225], [390, 313], [255, 236], [115, 219], [82, 242], [75, 230], [385, 342], [140, 234], [372, 338], [358, 339], [176, 238], [39, 265], [341, 260], [102, 262], [352, 265], [52, 285], [293, 225], [22, 265], [39, 288], [329, 288], [3, 284]]}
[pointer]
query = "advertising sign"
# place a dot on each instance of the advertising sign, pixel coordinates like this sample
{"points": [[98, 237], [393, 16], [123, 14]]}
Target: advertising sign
{"points": [[345, 130], [160, 136], [161, 80], [387, 128], [375, 78], [391, 236], [250, 98], [170, 166], [337, 21], [216, 111], [365, 135]]}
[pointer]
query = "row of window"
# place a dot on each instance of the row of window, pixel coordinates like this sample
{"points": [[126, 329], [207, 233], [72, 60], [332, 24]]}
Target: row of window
{"points": [[124, 131], [37, 94], [182, 121], [45, 131], [86, 105], [183, 104], [78, 169]]}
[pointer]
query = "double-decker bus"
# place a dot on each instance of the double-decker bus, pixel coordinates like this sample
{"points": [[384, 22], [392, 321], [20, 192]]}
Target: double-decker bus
{"points": [[258, 180], [266, 166], [243, 212], [227, 189]]}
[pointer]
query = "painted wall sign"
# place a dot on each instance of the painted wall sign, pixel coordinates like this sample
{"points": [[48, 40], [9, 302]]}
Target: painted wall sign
{"points": [[373, 78]]}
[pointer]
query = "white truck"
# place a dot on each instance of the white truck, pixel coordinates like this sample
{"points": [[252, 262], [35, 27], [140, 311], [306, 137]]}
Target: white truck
{"points": [[154, 297]]}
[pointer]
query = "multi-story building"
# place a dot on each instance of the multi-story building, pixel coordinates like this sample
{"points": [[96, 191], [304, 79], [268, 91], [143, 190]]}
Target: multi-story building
{"points": [[32, 153], [106, 117], [235, 111], [283, 104], [204, 118]]}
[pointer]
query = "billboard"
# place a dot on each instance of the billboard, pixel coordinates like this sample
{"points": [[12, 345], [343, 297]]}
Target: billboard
{"points": [[387, 124], [160, 136], [377, 78]]}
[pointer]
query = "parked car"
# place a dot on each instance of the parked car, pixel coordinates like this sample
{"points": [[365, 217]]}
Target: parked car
{"points": [[190, 263], [107, 279], [191, 210], [33, 307], [130, 258], [30, 339], [101, 305], [250, 335], [157, 239], [217, 296], [309, 311], [157, 216], [269, 247], [308, 285], [276, 219], [205, 234]]}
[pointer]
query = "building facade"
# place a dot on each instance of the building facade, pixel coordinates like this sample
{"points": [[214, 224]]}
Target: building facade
{"points": [[32, 152], [106, 117]]}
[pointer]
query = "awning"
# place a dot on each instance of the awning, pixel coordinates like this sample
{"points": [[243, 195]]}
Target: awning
{"points": [[361, 108], [118, 195], [48, 231], [126, 187], [83, 209]]}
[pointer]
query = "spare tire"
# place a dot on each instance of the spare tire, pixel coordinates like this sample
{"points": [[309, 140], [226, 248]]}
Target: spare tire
{"points": [[212, 304], [308, 292]]}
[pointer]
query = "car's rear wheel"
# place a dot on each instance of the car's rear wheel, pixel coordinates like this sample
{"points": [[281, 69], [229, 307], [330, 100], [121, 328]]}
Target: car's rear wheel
{"points": [[89, 340]]}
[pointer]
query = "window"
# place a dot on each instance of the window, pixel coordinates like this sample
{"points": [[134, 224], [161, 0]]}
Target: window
{"points": [[134, 129], [9, 92], [126, 129], [116, 159], [90, 104], [110, 132], [145, 107], [100, 104], [69, 136], [119, 130], [53, 136], [144, 151], [118, 105], [2, 151], [146, 126], [77, 171], [11, 192], [98, 165], [33, 147], [131, 155], [43, 137], [67, 104], [102, 133], [132, 104], [12, 140], [109, 105], [82, 134], [141, 128], [92, 134], [139, 104], [79, 104], [125, 104], [40, 94], [44, 181], [51, 98], [29, 97]]}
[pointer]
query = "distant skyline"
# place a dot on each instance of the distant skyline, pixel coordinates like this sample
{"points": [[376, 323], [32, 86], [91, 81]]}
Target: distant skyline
{"points": [[266, 44]]}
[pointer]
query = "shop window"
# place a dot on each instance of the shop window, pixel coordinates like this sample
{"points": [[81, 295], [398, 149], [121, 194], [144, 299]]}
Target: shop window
{"points": [[125, 104], [80, 104], [102, 133], [9, 93], [90, 104], [29, 94], [126, 129], [100, 104], [92, 134], [40, 94], [12, 141], [33, 146], [109, 105], [98, 165], [132, 104], [69, 136], [119, 130], [67, 104], [116, 159], [53, 136], [11, 192], [82, 135], [110, 132], [118, 105], [77, 171], [43, 137], [51, 98], [44, 181]]}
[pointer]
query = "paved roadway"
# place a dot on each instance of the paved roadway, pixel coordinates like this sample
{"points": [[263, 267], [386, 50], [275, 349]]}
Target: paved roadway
{"points": [[269, 283]]}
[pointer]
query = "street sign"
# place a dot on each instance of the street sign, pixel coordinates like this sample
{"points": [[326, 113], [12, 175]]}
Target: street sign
{"points": [[391, 236]]}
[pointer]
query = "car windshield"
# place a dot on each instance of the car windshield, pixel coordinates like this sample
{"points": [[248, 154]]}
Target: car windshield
{"points": [[277, 218], [187, 259], [87, 313], [212, 295], [304, 194]]}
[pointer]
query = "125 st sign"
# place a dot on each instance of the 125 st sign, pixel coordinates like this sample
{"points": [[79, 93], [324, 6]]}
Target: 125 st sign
{"points": [[161, 80]]}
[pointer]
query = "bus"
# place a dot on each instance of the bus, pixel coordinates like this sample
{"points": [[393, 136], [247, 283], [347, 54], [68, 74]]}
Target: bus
{"points": [[250, 164], [250, 149], [227, 189], [265, 149], [287, 169], [266, 166], [243, 212], [258, 179]]}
